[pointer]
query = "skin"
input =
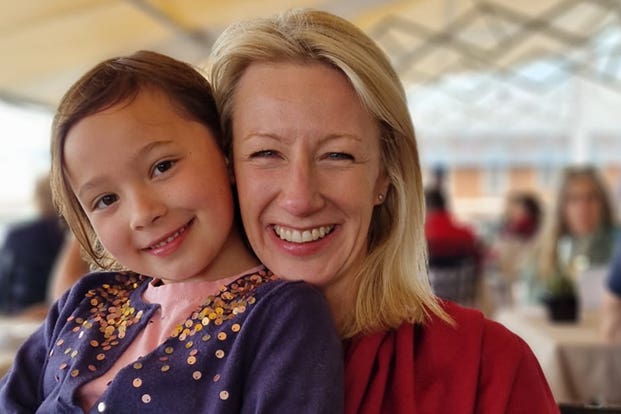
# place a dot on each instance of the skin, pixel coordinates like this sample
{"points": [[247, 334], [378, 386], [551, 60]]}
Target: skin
{"points": [[308, 170], [155, 188], [583, 207]]}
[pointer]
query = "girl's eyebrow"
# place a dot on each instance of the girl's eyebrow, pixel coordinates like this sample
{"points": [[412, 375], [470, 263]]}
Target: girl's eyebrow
{"points": [[139, 154], [150, 147]]}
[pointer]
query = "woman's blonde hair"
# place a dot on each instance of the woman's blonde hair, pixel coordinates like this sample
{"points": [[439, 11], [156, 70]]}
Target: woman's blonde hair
{"points": [[557, 227], [393, 283]]}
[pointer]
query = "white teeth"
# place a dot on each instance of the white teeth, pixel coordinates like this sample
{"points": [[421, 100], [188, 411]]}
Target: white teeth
{"points": [[297, 236], [169, 238]]}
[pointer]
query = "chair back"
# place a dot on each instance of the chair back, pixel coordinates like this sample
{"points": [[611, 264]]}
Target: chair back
{"points": [[455, 278]]}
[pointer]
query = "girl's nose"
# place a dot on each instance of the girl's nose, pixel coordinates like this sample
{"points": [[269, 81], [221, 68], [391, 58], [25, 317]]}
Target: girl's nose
{"points": [[146, 209]]}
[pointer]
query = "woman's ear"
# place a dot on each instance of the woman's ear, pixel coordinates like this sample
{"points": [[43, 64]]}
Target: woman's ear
{"points": [[382, 187]]}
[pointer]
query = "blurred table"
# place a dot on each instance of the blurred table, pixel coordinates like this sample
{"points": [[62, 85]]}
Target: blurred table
{"points": [[578, 363], [13, 333]]}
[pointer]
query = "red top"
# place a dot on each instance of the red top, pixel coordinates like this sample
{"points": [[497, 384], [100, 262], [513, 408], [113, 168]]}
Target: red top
{"points": [[478, 366], [445, 237]]}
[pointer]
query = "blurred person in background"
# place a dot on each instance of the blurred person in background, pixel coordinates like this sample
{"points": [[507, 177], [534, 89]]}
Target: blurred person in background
{"points": [[519, 225], [579, 235], [445, 236], [454, 254], [28, 255]]}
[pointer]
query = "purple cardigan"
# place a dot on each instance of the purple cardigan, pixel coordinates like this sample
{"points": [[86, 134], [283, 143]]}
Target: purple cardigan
{"points": [[260, 346]]}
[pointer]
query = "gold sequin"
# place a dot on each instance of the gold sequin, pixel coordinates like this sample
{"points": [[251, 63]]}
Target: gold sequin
{"points": [[191, 360], [100, 357], [63, 365], [219, 354], [236, 327], [74, 354], [94, 343], [169, 350], [189, 344], [165, 368], [75, 373], [197, 375], [137, 382], [206, 337], [137, 365], [222, 336], [146, 398], [224, 395]]}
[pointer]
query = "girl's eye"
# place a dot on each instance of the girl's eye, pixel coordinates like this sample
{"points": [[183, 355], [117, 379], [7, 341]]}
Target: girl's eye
{"points": [[162, 167], [105, 201]]}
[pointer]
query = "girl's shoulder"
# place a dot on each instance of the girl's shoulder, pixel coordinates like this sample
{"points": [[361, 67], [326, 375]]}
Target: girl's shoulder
{"points": [[112, 282], [102, 289]]}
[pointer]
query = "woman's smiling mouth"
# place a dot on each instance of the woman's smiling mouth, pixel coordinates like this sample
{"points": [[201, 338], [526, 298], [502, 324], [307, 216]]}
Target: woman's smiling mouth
{"points": [[302, 236]]}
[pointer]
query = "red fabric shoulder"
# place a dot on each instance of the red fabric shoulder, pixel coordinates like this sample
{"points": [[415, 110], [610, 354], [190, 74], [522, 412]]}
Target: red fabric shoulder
{"points": [[474, 365]]}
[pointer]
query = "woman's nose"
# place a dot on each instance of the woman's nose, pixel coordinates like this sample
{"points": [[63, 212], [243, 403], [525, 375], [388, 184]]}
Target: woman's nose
{"points": [[145, 209], [300, 193]]}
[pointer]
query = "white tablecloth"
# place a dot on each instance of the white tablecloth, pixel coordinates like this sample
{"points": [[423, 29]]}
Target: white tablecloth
{"points": [[578, 363]]}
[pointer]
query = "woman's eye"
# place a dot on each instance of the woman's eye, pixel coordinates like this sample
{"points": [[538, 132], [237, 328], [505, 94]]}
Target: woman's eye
{"points": [[162, 167], [105, 201], [263, 154], [337, 156]]}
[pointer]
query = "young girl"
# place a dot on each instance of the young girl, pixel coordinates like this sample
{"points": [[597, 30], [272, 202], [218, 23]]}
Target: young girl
{"points": [[197, 325]]}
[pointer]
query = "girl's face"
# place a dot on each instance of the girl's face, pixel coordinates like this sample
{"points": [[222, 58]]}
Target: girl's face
{"points": [[583, 207], [155, 188], [308, 170]]}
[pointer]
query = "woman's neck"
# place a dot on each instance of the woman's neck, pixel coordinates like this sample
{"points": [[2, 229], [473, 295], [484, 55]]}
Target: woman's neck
{"points": [[341, 297]]}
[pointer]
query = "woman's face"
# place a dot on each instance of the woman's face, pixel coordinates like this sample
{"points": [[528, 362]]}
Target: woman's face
{"points": [[583, 206], [308, 169]]}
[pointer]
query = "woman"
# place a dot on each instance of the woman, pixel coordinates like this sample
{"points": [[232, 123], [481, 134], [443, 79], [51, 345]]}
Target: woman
{"points": [[580, 234], [329, 185]]}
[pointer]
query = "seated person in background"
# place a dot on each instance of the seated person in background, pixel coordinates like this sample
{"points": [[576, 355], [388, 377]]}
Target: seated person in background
{"points": [[445, 237], [611, 313], [579, 235], [522, 216], [519, 226], [28, 255], [454, 253]]}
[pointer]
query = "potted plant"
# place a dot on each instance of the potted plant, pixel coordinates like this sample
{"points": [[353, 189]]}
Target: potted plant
{"points": [[560, 299]]}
